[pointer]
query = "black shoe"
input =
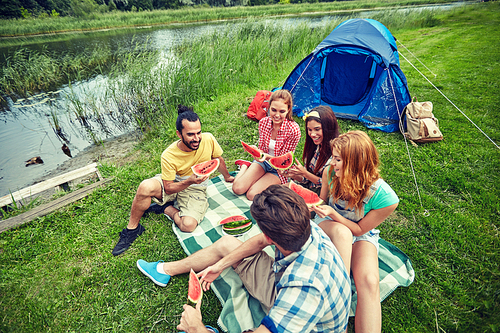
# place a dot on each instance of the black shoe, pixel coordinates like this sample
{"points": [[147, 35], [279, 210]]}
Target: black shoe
{"points": [[126, 238], [157, 209]]}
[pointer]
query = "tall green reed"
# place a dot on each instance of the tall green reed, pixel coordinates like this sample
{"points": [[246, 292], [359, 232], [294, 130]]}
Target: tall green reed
{"points": [[27, 72], [209, 66], [115, 19]]}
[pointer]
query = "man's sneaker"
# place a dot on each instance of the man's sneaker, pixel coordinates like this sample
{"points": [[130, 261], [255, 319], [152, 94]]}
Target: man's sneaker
{"points": [[149, 269], [126, 238], [209, 328], [242, 162], [157, 209]]}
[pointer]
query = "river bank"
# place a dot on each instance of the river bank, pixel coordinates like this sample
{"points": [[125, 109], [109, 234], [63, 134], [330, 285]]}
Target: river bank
{"points": [[117, 152], [188, 15]]}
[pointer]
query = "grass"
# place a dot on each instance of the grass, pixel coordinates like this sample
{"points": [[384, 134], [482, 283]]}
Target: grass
{"points": [[57, 273], [188, 14]]}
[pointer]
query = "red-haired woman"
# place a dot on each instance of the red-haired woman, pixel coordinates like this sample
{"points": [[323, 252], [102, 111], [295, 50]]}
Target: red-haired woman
{"points": [[278, 135], [358, 201], [322, 128]]}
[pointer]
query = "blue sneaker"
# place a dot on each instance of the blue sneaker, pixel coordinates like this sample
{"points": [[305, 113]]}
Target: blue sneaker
{"points": [[149, 269], [209, 328]]}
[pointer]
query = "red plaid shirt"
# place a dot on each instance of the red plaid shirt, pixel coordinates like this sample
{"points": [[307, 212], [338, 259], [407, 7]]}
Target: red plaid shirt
{"points": [[286, 140]]}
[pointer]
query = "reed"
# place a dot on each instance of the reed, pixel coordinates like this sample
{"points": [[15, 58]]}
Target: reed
{"points": [[209, 66], [117, 19], [27, 72]]}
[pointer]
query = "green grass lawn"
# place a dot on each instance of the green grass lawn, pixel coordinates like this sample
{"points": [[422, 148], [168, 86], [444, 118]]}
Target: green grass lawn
{"points": [[57, 273]]}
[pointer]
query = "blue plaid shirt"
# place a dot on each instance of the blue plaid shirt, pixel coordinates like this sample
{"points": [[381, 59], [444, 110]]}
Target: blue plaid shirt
{"points": [[313, 289]]}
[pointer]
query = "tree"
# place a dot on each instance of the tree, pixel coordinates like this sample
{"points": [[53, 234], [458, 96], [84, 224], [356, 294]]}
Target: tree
{"points": [[10, 9], [111, 5]]}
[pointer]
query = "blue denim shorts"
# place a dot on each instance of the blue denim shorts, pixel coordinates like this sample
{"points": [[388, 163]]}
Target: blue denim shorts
{"points": [[371, 236], [267, 167]]}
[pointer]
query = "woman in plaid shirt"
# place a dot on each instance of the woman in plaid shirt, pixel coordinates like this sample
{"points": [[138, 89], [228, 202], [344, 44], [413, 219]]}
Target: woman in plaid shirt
{"points": [[322, 128], [278, 135]]}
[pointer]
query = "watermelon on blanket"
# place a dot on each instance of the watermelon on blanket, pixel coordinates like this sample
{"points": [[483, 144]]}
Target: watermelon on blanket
{"points": [[255, 152], [238, 231], [236, 225], [282, 162], [195, 292], [234, 221], [311, 198], [205, 168]]}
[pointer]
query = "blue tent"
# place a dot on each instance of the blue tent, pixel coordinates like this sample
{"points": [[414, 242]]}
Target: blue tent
{"points": [[355, 71]]}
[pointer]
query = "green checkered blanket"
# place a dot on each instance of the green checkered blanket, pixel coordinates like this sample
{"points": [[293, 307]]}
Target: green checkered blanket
{"points": [[240, 311]]}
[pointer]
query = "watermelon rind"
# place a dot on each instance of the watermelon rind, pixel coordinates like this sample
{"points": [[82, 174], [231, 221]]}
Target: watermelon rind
{"points": [[311, 198], [249, 149], [195, 291], [278, 162], [242, 226], [238, 232], [214, 165], [235, 224], [233, 218]]}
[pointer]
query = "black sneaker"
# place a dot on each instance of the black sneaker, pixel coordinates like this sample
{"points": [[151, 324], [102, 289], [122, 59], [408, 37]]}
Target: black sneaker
{"points": [[157, 209], [126, 239]]}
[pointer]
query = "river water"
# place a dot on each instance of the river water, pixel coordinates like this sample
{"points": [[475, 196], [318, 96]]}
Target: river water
{"points": [[41, 124]]}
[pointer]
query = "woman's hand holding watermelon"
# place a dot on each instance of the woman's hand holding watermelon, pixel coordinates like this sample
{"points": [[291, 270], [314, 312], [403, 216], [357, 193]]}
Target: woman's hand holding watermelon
{"points": [[327, 210], [265, 157], [297, 172]]}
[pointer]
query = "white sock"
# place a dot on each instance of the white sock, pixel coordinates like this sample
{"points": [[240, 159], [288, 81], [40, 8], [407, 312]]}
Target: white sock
{"points": [[159, 268]]}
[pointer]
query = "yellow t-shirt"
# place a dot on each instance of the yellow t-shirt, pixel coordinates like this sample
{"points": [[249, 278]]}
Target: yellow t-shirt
{"points": [[176, 164]]}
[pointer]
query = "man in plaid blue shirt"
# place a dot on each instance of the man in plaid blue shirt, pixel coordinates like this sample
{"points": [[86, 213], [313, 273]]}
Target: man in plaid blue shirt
{"points": [[305, 288]]}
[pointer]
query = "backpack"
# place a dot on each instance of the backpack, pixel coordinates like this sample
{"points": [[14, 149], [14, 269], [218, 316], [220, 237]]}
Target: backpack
{"points": [[258, 107], [421, 125]]}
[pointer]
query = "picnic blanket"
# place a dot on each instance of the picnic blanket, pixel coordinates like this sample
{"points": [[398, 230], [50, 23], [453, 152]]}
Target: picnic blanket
{"points": [[240, 311]]}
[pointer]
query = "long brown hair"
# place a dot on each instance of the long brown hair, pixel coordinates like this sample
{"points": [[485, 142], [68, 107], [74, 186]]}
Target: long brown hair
{"points": [[360, 165], [330, 129], [284, 95]]}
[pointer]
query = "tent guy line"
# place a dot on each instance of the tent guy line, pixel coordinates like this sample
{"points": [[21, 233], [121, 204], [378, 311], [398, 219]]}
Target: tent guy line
{"points": [[401, 128], [456, 107]]}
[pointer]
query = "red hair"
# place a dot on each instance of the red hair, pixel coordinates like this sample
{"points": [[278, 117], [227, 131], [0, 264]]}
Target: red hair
{"points": [[360, 169]]}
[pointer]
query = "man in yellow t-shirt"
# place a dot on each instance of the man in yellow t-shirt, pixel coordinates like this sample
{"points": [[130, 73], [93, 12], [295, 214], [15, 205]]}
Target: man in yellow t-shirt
{"points": [[176, 181]]}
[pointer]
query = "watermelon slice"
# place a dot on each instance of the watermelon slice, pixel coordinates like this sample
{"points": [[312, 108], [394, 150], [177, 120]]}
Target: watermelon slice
{"points": [[205, 168], [234, 221], [311, 198], [242, 226], [283, 162], [255, 152], [238, 231], [195, 292]]}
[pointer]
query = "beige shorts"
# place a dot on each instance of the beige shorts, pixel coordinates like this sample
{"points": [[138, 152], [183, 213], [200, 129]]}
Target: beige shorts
{"points": [[258, 276], [191, 201]]}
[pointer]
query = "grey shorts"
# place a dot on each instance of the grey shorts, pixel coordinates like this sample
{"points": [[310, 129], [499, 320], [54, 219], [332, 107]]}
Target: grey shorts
{"points": [[191, 201], [256, 273]]}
